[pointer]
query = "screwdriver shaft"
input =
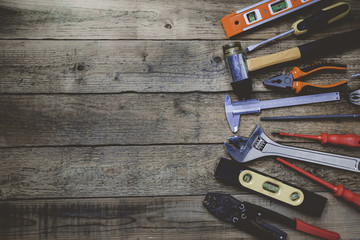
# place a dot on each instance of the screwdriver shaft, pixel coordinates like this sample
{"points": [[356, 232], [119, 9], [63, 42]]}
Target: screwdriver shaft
{"points": [[319, 180], [254, 46]]}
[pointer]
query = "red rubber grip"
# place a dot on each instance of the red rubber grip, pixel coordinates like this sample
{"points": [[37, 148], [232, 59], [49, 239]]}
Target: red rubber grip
{"points": [[348, 195], [319, 232]]}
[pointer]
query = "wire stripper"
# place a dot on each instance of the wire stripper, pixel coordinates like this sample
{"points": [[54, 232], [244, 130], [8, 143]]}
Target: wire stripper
{"points": [[287, 80], [250, 218]]}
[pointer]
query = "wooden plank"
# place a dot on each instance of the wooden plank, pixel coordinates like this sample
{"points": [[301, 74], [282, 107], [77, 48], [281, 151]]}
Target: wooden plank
{"points": [[121, 119], [78, 172], [128, 19], [153, 217], [139, 66]]}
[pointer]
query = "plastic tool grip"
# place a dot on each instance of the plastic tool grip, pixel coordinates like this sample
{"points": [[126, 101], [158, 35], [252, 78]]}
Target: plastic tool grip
{"points": [[299, 73], [348, 140], [299, 86], [330, 44], [322, 18], [349, 196], [313, 49], [319, 232]]}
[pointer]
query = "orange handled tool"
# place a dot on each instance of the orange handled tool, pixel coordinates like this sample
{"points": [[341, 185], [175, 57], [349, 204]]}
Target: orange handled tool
{"points": [[339, 190], [287, 80], [347, 140]]}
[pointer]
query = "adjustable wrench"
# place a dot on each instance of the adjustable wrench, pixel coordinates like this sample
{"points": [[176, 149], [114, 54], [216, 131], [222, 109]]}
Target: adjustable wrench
{"points": [[260, 145]]}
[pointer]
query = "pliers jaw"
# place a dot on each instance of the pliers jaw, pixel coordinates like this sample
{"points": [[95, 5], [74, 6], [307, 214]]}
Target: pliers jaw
{"points": [[244, 215], [281, 81]]}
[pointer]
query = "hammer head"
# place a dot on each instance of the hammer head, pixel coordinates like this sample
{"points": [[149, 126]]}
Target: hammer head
{"points": [[236, 64]]}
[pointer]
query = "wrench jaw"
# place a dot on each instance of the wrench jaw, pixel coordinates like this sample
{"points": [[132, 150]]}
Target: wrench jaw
{"points": [[246, 149], [233, 119]]}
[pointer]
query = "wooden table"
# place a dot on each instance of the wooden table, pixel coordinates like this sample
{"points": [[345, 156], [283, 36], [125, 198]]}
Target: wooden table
{"points": [[112, 119]]}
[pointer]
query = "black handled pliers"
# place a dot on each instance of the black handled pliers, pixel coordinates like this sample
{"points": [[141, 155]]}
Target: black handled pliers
{"points": [[287, 80], [249, 217]]}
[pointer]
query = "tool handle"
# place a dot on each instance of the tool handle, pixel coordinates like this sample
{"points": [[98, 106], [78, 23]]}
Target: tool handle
{"points": [[299, 73], [347, 195], [273, 59], [333, 43], [316, 231], [348, 140], [322, 18], [299, 86], [313, 49]]}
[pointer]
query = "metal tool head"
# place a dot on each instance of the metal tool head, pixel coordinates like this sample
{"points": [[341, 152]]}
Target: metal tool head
{"points": [[246, 149], [233, 119], [281, 81], [223, 206], [235, 61]]}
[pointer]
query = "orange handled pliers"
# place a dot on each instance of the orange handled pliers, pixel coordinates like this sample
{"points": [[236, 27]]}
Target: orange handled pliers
{"points": [[287, 80]]}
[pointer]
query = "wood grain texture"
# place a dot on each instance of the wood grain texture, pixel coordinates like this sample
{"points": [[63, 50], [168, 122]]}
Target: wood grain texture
{"points": [[140, 66], [120, 119], [129, 19], [121, 171], [154, 217], [112, 119]]}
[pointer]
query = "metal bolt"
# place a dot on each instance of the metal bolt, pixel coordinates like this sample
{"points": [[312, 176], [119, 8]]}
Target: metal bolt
{"points": [[242, 206], [247, 177], [235, 219], [243, 216], [294, 196]]}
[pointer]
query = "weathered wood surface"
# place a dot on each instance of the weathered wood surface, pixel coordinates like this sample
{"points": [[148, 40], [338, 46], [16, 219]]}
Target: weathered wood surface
{"points": [[129, 19], [134, 171], [177, 217], [120, 119], [140, 66], [112, 119]]}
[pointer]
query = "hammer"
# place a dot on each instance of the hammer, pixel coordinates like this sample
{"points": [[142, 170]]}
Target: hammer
{"points": [[238, 66]]}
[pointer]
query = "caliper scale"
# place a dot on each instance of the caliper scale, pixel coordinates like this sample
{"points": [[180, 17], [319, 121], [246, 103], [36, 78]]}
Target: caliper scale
{"points": [[233, 110]]}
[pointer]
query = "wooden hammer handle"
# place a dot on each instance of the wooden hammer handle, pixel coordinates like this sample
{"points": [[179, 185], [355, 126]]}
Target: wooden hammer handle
{"points": [[273, 59]]}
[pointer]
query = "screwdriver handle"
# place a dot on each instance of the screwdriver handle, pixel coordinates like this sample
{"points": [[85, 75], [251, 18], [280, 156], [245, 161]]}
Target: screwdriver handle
{"points": [[322, 18], [349, 196], [348, 140]]}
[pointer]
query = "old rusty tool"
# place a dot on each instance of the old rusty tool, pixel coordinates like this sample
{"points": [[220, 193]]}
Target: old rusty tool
{"points": [[239, 67], [250, 217], [234, 110], [339, 190], [287, 80], [346, 140], [316, 22], [259, 145], [311, 117]]}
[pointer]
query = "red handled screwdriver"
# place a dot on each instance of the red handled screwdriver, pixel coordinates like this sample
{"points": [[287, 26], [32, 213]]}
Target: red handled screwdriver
{"points": [[347, 140], [339, 190]]}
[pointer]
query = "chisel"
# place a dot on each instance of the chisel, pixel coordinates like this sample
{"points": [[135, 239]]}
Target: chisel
{"points": [[313, 23]]}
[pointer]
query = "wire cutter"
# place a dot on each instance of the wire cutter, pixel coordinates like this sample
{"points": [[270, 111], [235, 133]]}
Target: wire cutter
{"points": [[287, 80], [249, 217]]}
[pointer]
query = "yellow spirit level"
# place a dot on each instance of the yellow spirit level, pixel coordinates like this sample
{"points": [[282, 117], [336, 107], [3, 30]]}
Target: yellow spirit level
{"points": [[260, 13]]}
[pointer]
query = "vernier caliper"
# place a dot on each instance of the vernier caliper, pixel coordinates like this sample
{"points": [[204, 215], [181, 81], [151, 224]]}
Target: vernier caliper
{"points": [[233, 110]]}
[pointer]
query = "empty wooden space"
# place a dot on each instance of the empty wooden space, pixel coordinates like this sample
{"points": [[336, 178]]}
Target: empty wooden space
{"points": [[112, 119]]}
